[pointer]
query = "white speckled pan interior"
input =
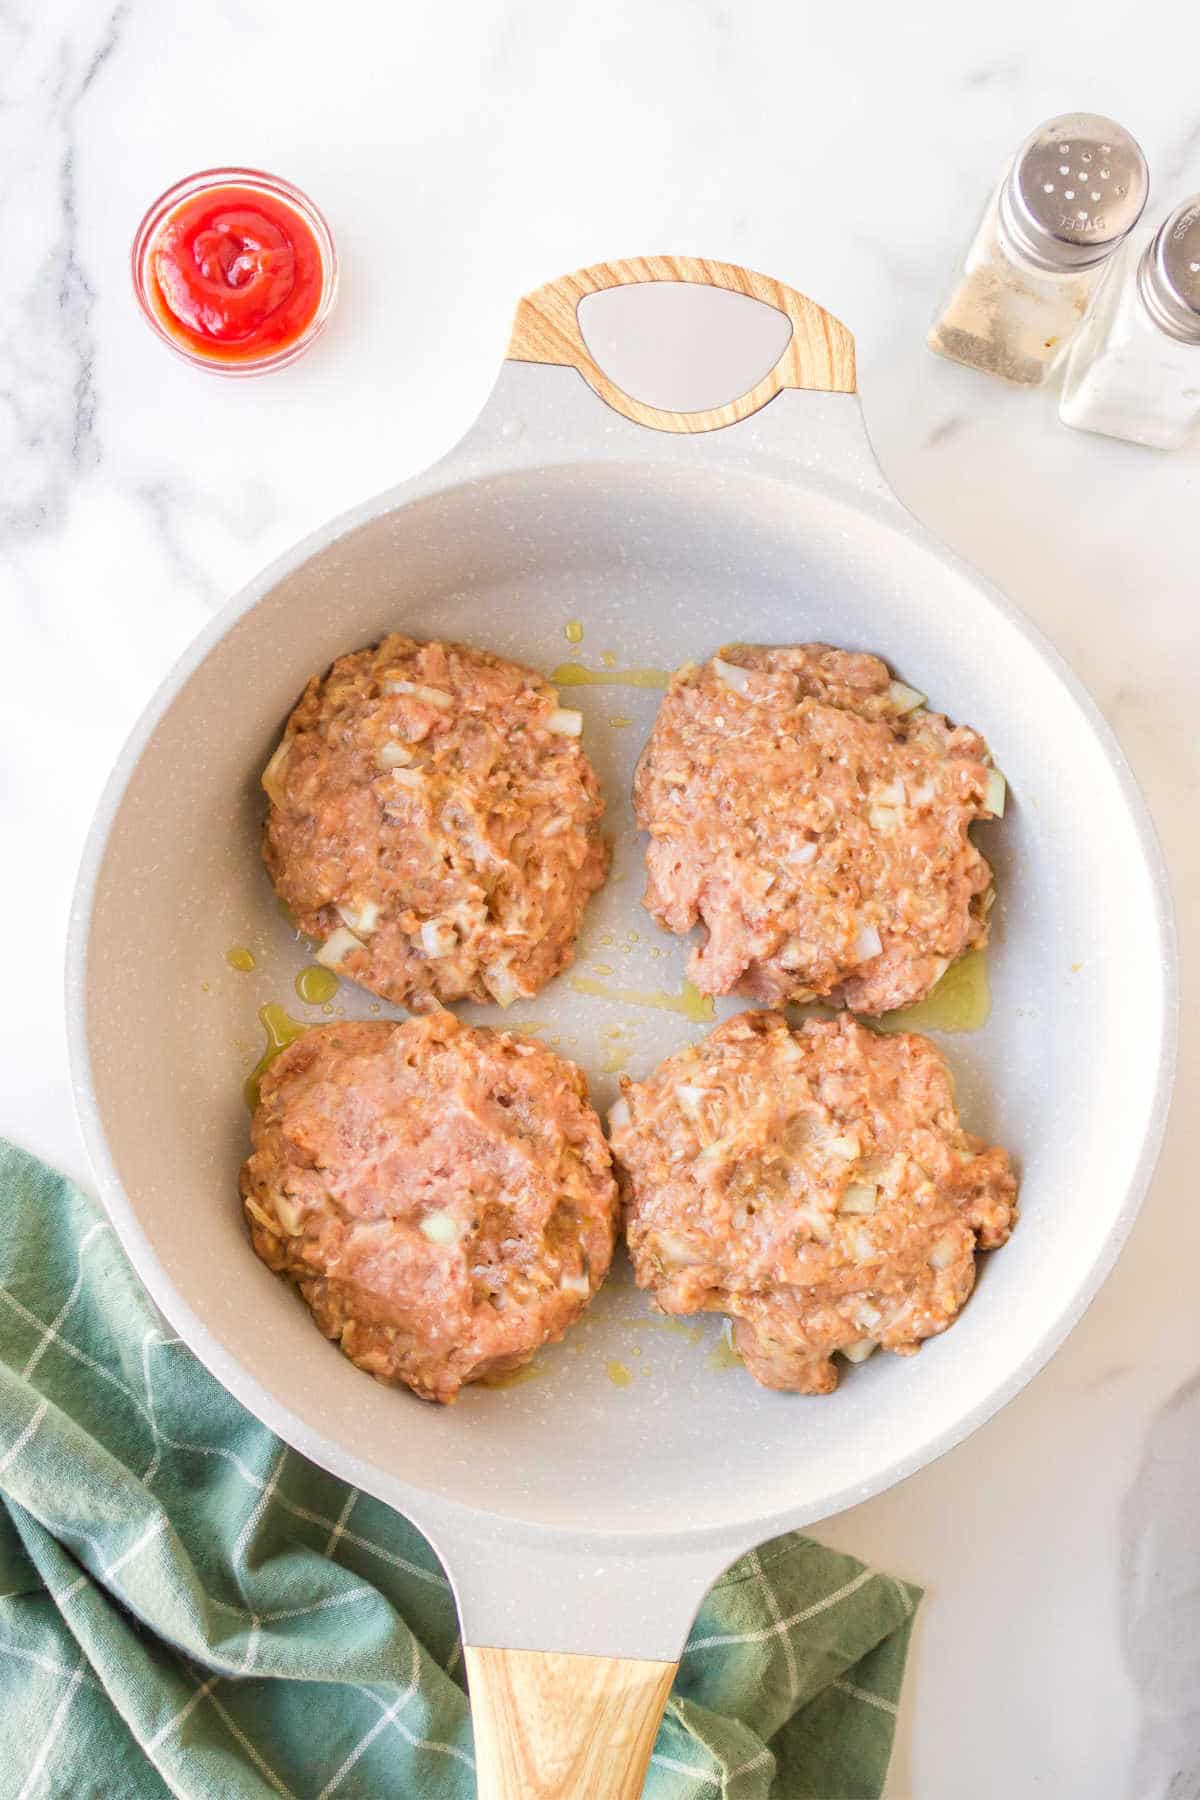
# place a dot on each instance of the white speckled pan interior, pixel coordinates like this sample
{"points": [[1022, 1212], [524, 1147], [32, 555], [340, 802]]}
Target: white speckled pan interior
{"points": [[777, 530]]}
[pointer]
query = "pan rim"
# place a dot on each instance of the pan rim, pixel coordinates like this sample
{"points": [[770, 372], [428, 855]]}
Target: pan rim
{"points": [[431, 1510]]}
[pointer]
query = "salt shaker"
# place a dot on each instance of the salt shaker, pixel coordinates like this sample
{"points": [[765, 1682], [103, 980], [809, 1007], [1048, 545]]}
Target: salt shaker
{"points": [[1066, 202], [1134, 369]]}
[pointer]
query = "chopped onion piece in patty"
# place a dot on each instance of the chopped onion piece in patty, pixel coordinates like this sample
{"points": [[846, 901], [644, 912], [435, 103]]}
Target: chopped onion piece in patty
{"points": [[689, 1097], [847, 1148], [500, 984], [859, 1197], [733, 675], [677, 1252], [867, 943], [438, 937], [883, 818], [859, 1352], [409, 778], [712, 1154], [903, 698], [945, 1250], [393, 755], [565, 723], [267, 1223], [362, 918], [802, 854], [337, 947], [995, 793], [440, 1228], [272, 775], [431, 696], [618, 1115], [575, 1284], [288, 1214], [817, 1222]]}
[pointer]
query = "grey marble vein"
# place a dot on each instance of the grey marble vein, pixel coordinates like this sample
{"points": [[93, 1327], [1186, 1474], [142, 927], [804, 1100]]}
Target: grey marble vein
{"points": [[47, 352], [165, 506], [1160, 1600], [1005, 71]]}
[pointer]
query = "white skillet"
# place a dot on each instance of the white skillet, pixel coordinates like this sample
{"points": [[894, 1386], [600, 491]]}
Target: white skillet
{"points": [[580, 1520]]}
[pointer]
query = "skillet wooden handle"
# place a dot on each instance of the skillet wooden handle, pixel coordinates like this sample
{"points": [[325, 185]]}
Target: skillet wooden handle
{"points": [[559, 1727], [819, 353]]}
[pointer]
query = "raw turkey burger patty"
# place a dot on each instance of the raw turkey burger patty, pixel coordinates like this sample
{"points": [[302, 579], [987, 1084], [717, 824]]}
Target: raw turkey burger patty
{"points": [[814, 1184], [435, 822], [808, 811], [443, 1197]]}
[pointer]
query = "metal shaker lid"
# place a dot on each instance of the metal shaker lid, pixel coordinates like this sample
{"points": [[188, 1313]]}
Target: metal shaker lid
{"points": [[1076, 188], [1169, 274]]}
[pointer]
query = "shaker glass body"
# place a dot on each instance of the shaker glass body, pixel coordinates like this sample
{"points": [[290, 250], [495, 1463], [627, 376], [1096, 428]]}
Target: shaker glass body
{"points": [[1006, 316], [1126, 377]]}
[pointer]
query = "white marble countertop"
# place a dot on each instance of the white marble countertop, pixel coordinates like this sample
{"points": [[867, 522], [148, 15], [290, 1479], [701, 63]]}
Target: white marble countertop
{"points": [[464, 154]]}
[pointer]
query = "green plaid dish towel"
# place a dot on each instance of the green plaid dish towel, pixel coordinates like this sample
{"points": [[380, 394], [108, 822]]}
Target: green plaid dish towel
{"points": [[188, 1607]]}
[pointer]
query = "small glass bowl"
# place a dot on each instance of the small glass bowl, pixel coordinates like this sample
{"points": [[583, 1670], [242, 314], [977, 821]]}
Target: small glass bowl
{"points": [[145, 289]]}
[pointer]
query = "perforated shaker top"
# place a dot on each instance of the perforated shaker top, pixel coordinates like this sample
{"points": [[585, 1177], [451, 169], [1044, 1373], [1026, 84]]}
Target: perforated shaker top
{"points": [[1169, 275], [1076, 189]]}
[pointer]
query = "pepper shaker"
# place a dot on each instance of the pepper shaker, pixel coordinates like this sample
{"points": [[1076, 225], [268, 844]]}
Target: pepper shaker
{"points": [[1066, 202], [1134, 369]]}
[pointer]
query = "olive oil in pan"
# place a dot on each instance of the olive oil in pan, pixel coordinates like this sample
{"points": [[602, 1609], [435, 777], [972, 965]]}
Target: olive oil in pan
{"points": [[575, 675], [281, 1030], [960, 1001], [240, 958], [316, 985], [688, 1001], [615, 1058], [508, 1378]]}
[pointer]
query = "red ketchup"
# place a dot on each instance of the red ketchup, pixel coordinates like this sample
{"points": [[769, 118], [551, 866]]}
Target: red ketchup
{"points": [[235, 274]]}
